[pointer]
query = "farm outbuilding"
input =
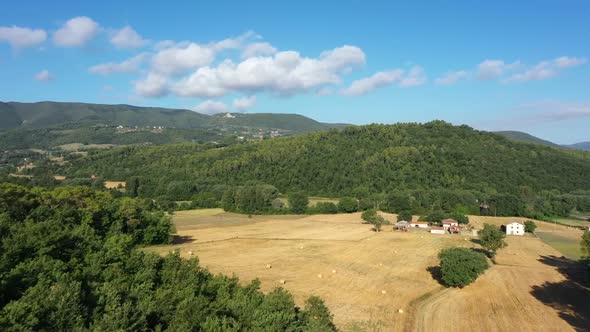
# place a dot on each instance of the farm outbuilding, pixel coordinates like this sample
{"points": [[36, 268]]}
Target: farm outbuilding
{"points": [[402, 225], [437, 230], [419, 224], [514, 228], [450, 222]]}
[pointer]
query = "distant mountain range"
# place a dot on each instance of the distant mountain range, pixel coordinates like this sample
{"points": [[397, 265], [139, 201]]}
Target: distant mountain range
{"points": [[48, 113], [527, 138], [47, 124]]}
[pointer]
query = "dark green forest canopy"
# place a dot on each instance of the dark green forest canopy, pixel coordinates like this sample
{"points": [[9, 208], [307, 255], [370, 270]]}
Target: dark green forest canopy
{"points": [[68, 262], [373, 158]]}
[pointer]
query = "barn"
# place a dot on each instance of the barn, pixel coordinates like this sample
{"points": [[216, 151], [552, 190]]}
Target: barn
{"points": [[514, 228]]}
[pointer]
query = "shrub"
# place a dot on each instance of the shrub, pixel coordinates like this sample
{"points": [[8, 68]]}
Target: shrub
{"points": [[461, 266], [435, 217], [325, 208], [530, 226], [298, 202], [369, 215], [347, 205], [404, 215]]}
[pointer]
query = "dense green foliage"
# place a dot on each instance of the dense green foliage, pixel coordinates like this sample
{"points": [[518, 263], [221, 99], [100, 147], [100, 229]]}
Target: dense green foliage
{"points": [[530, 226], [68, 263], [249, 198], [404, 216], [524, 137], [325, 208], [461, 266], [298, 202], [412, 167], [348, 205], [585, 245], [492, 239]]}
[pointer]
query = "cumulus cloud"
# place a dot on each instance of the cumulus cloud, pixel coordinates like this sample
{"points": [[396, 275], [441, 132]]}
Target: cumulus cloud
{"points": [[76, 32], [284, 73], [127, 38], [178, 59], [128, 66], [43, 76], [19, 38], [452, 77], [415, 76], [175, 59], [244, 103], [255, 49], [492, 69], [546, 69], [211, 107], [154, 85]]}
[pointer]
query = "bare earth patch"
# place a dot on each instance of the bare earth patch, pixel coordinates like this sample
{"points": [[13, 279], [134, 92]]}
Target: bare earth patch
{"points": [[367, 277]]}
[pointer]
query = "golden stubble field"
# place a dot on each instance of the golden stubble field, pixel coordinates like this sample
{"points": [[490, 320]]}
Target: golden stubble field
{"points": [[367, 278]]}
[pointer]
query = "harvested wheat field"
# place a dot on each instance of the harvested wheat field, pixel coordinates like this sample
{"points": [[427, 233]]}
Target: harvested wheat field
{"points": [[367, 278]]}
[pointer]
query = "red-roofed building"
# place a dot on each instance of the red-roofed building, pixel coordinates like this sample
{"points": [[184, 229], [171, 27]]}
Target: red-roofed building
{"points": [[450, 222]]}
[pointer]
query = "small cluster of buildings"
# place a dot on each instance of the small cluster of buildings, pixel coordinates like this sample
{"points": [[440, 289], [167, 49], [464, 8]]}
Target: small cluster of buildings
{"points": [[448, 226]]}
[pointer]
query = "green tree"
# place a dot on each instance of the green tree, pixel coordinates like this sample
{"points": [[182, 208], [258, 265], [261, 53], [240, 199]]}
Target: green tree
{"points": [[347, 205], [461, 266], [369, 215], [316, 316], [585, 244], [404, 215], [530, 226], [492, 239], [326, 208], [298, 202]]}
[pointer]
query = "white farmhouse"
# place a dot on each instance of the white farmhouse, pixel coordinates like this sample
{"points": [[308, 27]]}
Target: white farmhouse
{"points": [[514, 228]]}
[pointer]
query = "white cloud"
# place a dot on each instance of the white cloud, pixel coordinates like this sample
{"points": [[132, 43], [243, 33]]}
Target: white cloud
{"points": [[154, 85], [174, 59], [44, 76], [452, 77], [255, 49], [284, 73], [415, 77], [568, 62], [178, 59], [378, 80], [128, 66], [244, 103], [491, 69], [76, 32], [128, 38], [381, 79], [211, 107], [19, 37], [546, 69]]}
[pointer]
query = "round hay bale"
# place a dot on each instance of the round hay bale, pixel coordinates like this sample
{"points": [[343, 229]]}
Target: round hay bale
{"points": [[190, 253], [283, 281], [421, 236], [320, 276], [380, 264], [301, 247], [268, 266], [401, 311], [333, 271], [384, 292]]}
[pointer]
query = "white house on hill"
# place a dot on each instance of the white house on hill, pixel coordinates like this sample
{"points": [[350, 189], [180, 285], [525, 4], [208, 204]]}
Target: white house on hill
{"points": [[514, 228]]}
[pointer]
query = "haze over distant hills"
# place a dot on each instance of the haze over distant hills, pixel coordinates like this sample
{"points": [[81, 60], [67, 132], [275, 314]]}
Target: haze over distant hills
{"points": [[528, 138]]}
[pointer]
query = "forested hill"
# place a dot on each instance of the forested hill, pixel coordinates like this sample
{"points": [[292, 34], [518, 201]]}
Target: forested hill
{"points": [[46, 114], [524, 137], [371, 159]]}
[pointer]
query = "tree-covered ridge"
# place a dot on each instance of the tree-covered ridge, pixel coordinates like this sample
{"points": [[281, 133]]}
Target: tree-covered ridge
{"points": [[373, 158], [68, 263]]}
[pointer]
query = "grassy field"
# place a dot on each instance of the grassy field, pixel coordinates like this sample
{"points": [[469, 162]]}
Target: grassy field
{"points": [[312, 200], [572, 221], [568, 245], [366, 278]]}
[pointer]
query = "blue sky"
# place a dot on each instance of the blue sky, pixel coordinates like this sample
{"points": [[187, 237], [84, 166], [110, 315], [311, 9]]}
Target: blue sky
{"points": [[498, 65]]}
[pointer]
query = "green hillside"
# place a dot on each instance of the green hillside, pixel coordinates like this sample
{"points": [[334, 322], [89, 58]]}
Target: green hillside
{"points": [[294, 122], [585, 146], [356, 161], [524, 137]]}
